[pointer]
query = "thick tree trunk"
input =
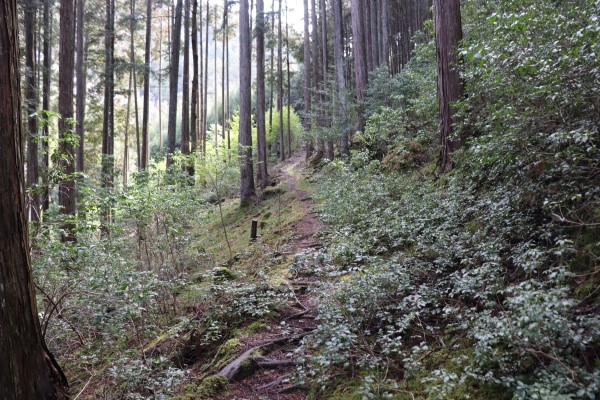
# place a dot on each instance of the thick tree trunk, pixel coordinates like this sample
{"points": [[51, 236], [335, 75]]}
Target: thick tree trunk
{"points": [[173, 83], [28, 370], [66, 194], [448, 33], [260, 95], [245, 133], [307, 84], [31, 105], [185, 112], [145, 156]]}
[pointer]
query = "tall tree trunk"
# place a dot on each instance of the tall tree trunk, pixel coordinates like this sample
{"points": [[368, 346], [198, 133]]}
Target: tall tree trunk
{"points": [[339, 72], [160, 97], [374, 14], [185, 112], [307, 85], [66, 195], [46, 85], [228, 111], [245, 133], [272, 70], [201, 131], [360, 68], [316, 74], [280, 84], [216, 97], [384, 53], [223, 72], [31, 105], [28, 369], [328, 145], [260, 94], [81, 85], [126, 141], [194, 106], [173, 83], [145, 156], [108, 118], [205, 107], [289, 83], [448, 33]]}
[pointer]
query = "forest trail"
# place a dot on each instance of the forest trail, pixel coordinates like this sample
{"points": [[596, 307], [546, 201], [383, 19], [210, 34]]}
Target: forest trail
{"points": [[264, 368]]}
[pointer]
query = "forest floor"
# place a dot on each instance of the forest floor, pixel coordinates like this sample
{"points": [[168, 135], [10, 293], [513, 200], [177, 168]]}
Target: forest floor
{"points": [[271, 377]]}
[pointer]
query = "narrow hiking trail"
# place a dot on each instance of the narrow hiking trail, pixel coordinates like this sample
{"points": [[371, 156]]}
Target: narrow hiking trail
{"points": [[264, 369]]}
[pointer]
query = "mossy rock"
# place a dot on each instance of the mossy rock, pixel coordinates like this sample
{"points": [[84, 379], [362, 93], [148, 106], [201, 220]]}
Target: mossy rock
{"points": [[211, 386], [272, 191], [227, 352], [222, 274]]}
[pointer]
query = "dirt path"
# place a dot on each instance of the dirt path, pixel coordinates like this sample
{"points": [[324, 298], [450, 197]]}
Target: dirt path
{"points": [[265, 369]]}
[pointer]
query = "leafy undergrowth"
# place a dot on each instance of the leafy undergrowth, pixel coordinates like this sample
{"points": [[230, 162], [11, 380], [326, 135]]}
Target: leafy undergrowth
{"points": [[163, 302]]}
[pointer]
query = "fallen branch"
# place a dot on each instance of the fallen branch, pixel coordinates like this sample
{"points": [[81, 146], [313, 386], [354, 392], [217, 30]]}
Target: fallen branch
{"points": [[274, 383], [264, 362]]}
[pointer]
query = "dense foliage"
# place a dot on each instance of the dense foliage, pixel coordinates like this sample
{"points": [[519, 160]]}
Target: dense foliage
{"points": [[481, 283]]}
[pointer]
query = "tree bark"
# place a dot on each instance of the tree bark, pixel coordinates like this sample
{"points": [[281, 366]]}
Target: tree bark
{"points": [[205, 107], [66, 194], [307, 84], [289, 84], [260, 95], [108, 139], [28, 369], [47, 79], [360, 68], [31, 105], [448, 33], [173, 83], [81, 85], [245, 133], [194, 106], [280, 84], [185, 112], [316, 73], [145, 156], [338, 55]]}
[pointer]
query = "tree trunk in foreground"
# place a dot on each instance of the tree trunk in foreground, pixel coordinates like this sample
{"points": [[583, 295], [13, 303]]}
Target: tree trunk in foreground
{"points": [[28, 370]]}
